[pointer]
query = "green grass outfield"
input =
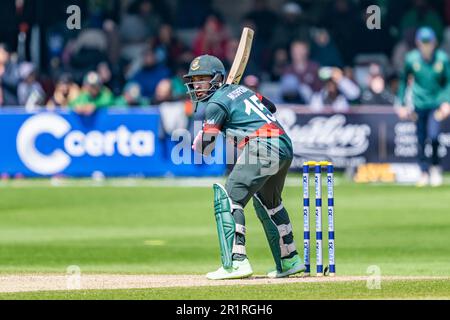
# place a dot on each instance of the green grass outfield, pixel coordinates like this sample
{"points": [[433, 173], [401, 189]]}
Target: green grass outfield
{"points": [[161, 227]]}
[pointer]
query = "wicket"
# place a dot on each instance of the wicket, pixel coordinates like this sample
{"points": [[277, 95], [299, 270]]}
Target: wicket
{"points": [[318, 216]]}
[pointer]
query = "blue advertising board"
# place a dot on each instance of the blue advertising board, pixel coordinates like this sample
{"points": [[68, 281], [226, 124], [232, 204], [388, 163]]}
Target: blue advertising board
{"points": [[116, 142]]}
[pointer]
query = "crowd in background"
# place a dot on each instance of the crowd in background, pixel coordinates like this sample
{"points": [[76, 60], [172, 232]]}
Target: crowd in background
{"points": [[299, 56]]}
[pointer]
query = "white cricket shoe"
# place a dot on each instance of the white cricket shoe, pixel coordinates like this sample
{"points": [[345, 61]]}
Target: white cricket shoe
{"points": [[436, 177], [240, 270], [424, 180]]}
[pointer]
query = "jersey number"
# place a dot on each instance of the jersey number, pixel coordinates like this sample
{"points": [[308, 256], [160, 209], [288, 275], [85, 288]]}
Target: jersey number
{"points": [[255, 105]]}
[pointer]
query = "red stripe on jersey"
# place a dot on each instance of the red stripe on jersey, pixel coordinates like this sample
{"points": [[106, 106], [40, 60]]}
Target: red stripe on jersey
{"points": [[211, 129], [266, 131]]}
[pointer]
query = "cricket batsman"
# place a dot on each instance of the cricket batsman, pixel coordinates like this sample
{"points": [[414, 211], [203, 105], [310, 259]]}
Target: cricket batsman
{"points": [[259, 173]]}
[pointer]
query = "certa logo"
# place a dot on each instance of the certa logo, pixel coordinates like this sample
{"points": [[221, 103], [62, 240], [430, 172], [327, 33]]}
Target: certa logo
{"points": [[76, 143]]}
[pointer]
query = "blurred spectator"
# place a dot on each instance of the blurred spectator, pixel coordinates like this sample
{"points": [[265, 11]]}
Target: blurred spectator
{"points": [[341, 18], [30, 93], [349, 72], [393, 83], [230, 53], [400, 50], [163, 92], [115, 43], [292, 91], [9, 78], [109, 79], [212, 39], [377, 93], [139, 24], [178, 82], [131, 96], [257, 19], [422, 14], [93, 96], [323, 50], [65, 91], [302, 67], [104, 72], [251, 82], [280, 61], [261, 14], [259, 59], [294, 25], [150, 74], [174, 114], [191, 14], [113, 38], [168, 48], [338, 91], [87, 51]]}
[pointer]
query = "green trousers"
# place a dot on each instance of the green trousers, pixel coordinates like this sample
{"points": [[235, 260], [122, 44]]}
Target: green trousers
{"points": [[262, 174]]}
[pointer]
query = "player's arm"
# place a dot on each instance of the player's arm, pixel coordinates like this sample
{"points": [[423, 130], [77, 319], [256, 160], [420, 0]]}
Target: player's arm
{"points": [[403, 83], [403, 112], [267, 103], [215, 117], [205, 143], [443, 111]]}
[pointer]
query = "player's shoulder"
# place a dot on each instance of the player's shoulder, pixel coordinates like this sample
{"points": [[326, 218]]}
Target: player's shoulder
{"points": [[412, 55], [441, 55], [229, 93], [219, 100]]}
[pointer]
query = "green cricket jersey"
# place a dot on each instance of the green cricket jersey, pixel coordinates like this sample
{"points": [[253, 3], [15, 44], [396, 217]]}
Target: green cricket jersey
{"points": [[237, 112], [431, 79]]}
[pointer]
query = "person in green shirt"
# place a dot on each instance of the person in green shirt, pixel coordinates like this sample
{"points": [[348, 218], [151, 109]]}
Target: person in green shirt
{"points": [[246, 119], [131, 97], [429, 68], [93, 96]]}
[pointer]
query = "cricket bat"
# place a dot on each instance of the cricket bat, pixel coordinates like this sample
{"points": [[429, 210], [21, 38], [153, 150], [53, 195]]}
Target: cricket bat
{"points": [[242, 57]]}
